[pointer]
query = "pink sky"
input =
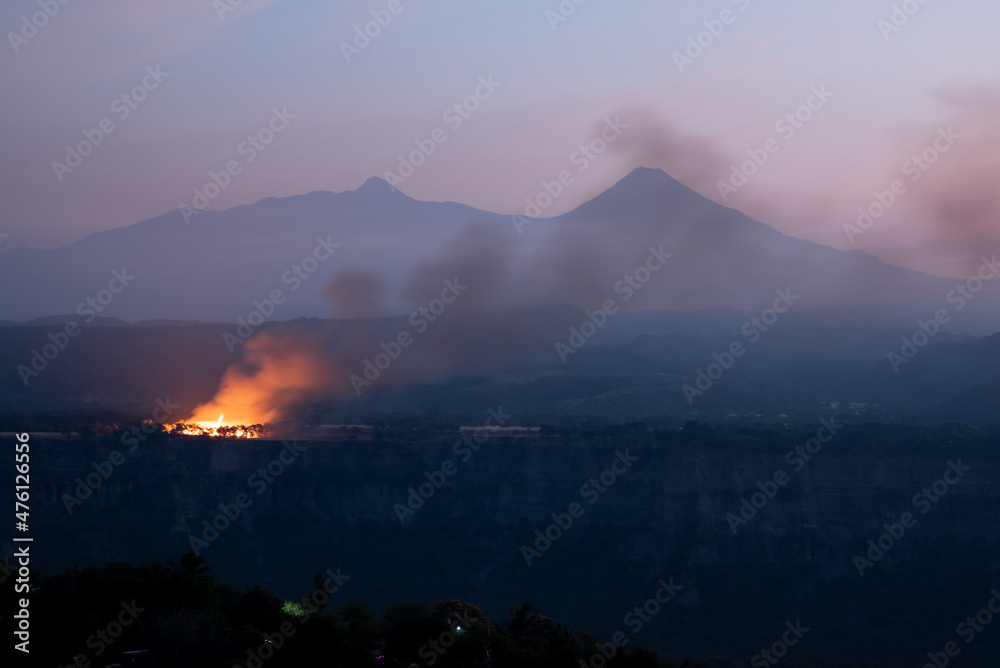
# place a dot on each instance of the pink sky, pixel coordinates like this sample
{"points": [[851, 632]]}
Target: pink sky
{"points": [[892, 91]]}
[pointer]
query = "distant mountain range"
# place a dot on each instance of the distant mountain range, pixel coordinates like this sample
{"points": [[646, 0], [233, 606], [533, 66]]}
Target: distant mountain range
{"points": [[213, 268]]}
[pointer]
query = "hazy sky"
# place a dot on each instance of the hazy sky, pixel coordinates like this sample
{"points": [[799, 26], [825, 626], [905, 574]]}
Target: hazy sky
{"points": [[891, 93]]}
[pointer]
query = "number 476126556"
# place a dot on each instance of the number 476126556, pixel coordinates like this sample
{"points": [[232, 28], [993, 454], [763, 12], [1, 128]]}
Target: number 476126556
{"points": [[21, 480]]}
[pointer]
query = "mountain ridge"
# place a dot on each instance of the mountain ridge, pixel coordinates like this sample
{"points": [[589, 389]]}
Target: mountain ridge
{"points": [[214, 268]]}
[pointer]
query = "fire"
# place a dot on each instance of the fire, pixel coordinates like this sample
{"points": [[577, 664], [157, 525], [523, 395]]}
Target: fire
{"points": [[217, 428], [276, 374]]}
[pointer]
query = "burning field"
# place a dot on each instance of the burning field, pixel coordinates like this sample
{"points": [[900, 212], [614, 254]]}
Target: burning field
{"points": [[277, 372], [219, 429]]}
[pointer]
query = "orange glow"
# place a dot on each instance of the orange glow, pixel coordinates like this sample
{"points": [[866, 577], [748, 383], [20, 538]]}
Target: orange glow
{"points": [[276, 374]]}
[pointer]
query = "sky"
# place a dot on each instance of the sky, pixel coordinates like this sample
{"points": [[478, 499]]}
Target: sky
{"points": [[884, 86]]}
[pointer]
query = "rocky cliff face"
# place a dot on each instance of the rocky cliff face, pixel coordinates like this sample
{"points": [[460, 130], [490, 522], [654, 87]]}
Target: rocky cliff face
{"points": [[646, 508], [685, 495]]}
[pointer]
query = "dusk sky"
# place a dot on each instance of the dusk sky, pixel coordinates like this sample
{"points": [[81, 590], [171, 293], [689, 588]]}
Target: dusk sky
{"points": [[894, 93]]}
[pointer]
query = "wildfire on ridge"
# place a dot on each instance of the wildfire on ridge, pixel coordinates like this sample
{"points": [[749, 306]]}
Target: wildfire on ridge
{"points": [[218, 429], [277, 373]]}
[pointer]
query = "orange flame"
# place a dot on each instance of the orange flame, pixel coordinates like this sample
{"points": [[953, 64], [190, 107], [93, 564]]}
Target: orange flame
{"points": [[277, 373]]}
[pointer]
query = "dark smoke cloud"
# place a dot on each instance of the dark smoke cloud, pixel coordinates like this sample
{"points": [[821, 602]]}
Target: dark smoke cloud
{"points": [[961, 192], [524, 290], [510, 310], [354, 293], [652, 141]]}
